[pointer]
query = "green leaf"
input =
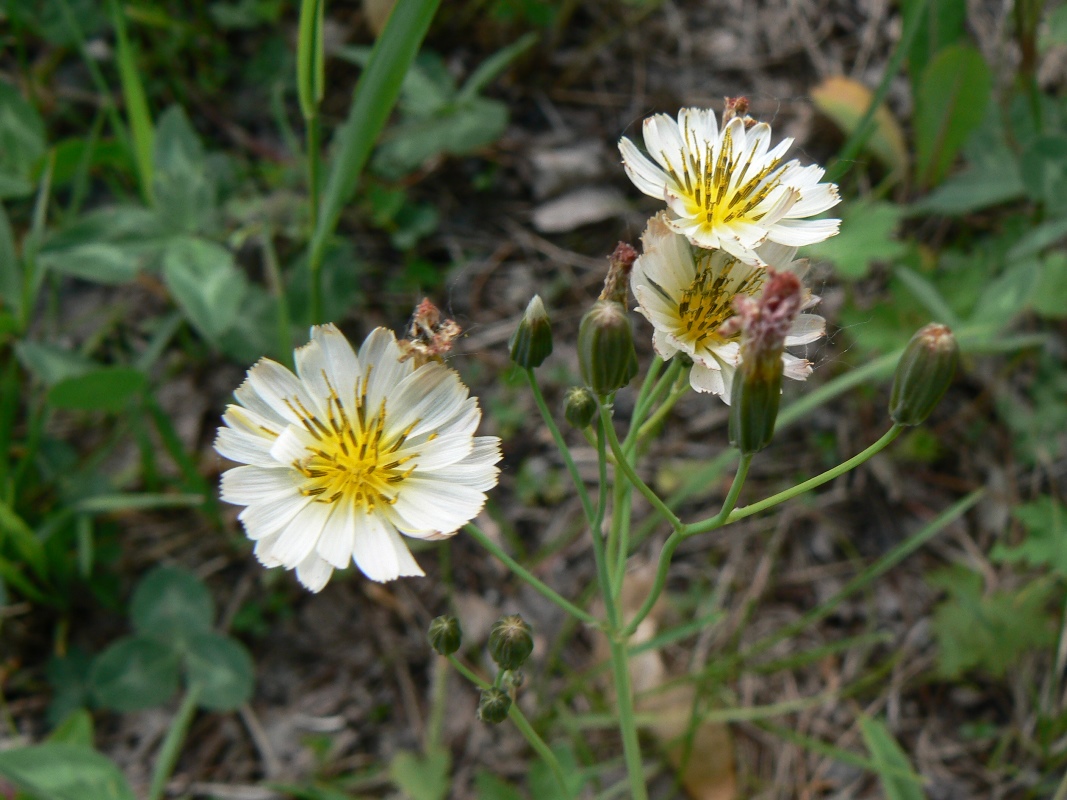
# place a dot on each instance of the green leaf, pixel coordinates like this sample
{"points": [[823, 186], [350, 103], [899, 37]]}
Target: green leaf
{"points": [[422, 777], [69, 679], [138, 117], [1008, 295], [1050, 288], [10, 268], [22, 143], [543, 784], [1043, 167], [99, 262], [134, 673], [953, 95], [490, 787], [1045, 545], [170, 602], [983, 631], [51, 364], [867, 235], [494, 65], [223, 669], [185, 191], [206, 285], [103, 389], [76, 728], [899, 781], [59, 771], [944, 23]]}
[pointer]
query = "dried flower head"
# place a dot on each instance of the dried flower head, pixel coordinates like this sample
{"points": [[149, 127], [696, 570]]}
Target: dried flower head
{"points": [[431, 337]]}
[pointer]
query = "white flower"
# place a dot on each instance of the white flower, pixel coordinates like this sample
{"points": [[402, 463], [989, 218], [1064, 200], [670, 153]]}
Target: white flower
{"points": [[725, 188], [687, 294], [349, 453]]}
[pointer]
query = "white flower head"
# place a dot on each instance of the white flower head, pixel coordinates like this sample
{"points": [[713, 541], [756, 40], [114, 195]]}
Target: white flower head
{"points": [[726, 188], [688, 293], [349, 453]]}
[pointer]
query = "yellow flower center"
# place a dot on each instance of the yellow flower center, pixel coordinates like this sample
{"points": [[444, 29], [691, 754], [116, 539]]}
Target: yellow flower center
{"points": [[709, 300], [353, 459], [706, 181]]}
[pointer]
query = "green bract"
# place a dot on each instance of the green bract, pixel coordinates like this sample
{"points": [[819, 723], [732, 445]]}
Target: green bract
{"points": [[923, 374], [606, 355]]}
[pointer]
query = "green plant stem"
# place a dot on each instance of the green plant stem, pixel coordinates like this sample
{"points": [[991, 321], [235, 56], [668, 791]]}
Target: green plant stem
{"points": [[678, 536], [314, 170], [172, 743], [564, 451], [677, 393], [624, 699], [539, 586], [858, 138], [525, 728], [646, 401], [646, 386], [623, 464], [439, 696], [811, 483]]}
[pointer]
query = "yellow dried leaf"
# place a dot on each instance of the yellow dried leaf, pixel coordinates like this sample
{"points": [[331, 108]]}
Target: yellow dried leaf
{"points": [[845, 101]]}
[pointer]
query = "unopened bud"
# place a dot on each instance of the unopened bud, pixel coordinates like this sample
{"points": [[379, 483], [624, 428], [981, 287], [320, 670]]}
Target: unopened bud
{"points": [[510, 642], [579, 406], [493, 705], [754, 399], [445, 634], [532, 342], [923, 374], [606, 355]]}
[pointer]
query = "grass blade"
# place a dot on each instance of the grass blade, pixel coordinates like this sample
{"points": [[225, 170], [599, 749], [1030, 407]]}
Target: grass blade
{"points": [[137, 114]]}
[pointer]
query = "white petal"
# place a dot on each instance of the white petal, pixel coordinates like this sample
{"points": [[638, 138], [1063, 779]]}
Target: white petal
{"points": [[253, 423], [374, 551], [806, 328], [662, 345], [441, 452], [432, 503], [645, 175], [244, 449], [796, 368], [247, 485], [314, 573], [281, 390], [264, 551], [797, 232], [311, 369], [706, 379], [776, 255], [380, 358], [269, 516], [342, 366], [432, 395], [247, 396], [337, 540], [292, 446], [302, 534]]}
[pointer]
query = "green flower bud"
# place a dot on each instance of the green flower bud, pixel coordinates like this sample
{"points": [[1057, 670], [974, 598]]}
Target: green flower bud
{"points": [[754, 399], [445, 634], [923, 374], [510, 642], [606, 355], [532, 342], [579, 406], [493, 706]]}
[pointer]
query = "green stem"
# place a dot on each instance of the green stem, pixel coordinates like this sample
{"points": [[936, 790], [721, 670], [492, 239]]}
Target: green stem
{"points": [[650, 424], [858, 138], [523, 724], [539, 586], [678, 536], [172, 744], [624, 701], [801, 488], [564, 451], [623, 464], [646, 401], [314, 170]]}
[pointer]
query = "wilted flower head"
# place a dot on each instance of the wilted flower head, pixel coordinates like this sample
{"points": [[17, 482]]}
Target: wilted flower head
{"points": [[349, 453], [725, 188], [688, 294], [431, 337]]}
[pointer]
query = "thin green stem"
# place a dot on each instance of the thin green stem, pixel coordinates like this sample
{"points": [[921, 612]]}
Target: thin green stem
{"points": [[818, 480], [624, 700], [647, 401], [596, 532], [623, 464], [172, 744], [564, 451], [314, 172], [678, 536], [620, 534], [539, 586], [646, 386], [520, 721], [677, 393], [858, 138]]}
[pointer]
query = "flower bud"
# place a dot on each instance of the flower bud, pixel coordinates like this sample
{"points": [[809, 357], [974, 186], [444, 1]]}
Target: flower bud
{"points": [[493, 705], [445, 634], [606, 355], [923, 374], [579, 406], [510, 642], [532, 342], [754, 401]]}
